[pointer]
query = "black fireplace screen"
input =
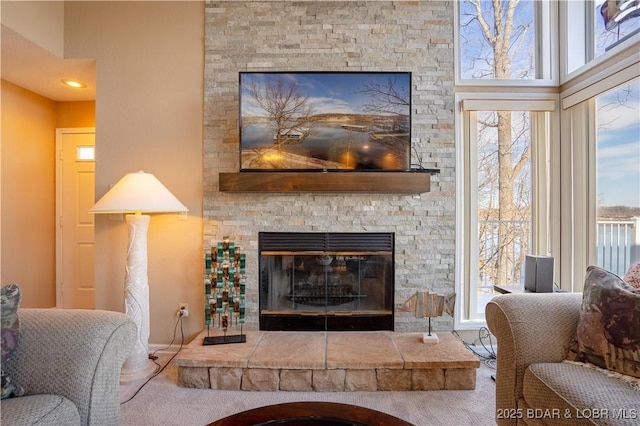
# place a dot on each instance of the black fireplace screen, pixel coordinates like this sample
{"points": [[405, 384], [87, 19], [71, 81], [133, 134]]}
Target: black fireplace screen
{"points": [[326, 281]]}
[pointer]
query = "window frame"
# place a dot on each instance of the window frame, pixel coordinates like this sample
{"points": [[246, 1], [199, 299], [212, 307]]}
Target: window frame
{"points": [[583, 19], [578, 180], [571, 218], [544, 196], [546, 50], [577, 237]]}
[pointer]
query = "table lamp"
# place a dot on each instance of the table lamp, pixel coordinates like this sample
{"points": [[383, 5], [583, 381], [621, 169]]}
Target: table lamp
{"points": [[138, 193], [425, 304]]}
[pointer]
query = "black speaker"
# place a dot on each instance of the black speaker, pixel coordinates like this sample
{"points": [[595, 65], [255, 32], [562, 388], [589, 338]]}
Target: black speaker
{"points": [[538, 274]]}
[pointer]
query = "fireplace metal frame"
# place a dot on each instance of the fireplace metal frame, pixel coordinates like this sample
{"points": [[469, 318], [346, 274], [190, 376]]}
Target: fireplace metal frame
{"points": [[321, 242]]}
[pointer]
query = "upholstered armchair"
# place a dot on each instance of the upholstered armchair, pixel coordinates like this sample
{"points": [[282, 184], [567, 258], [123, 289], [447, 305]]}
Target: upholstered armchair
{"points": [[68, 364], [530, 329], [535, 381]]}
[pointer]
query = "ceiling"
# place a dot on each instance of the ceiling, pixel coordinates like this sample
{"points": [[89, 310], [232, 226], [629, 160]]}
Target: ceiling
{"points": [[31, 67]]}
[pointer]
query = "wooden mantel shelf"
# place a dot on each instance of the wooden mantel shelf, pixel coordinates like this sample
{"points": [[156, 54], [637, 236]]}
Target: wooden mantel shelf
{"points": [[350, 182]]}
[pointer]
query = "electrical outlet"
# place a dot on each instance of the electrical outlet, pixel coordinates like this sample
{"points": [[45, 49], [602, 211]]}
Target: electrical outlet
{"points": [[183, 309]]}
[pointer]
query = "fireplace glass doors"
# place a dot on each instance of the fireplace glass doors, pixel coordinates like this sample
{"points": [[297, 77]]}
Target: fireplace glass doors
{"points": [[326, 281]]}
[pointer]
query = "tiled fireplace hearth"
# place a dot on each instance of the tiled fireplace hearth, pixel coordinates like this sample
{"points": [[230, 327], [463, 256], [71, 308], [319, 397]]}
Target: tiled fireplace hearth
{"points": [[328, 362]]}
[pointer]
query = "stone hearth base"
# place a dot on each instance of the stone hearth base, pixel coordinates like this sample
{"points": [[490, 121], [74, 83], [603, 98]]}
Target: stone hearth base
{"points": [[328, 362]]}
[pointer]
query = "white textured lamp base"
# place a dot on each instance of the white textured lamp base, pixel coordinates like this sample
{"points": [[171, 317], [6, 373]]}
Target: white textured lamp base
{"points": [[137, 374], [430, 340], [136, 298]]}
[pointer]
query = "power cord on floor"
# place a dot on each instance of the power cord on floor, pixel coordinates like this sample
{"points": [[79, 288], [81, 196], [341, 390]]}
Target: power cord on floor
{"points": [[483, 334], [153, 357], [489, 360]]}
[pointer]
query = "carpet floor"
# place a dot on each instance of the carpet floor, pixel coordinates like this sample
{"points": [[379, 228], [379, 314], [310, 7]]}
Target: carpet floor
{"points": [[162, 402]]}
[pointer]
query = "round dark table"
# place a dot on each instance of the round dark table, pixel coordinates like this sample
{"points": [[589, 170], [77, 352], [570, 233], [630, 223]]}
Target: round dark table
{"points": [[311, 414]]}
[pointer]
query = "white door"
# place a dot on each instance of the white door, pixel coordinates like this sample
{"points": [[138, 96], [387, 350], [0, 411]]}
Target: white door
{"points": [[75, 175]]}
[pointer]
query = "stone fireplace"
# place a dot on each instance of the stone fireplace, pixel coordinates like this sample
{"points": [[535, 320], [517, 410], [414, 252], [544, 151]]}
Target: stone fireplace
{"points": [[316, 281], [319, 36]]}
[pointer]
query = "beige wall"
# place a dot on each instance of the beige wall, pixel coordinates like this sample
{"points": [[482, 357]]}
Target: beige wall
{"points": [[42, 22], [149, 109], [28, 203]]}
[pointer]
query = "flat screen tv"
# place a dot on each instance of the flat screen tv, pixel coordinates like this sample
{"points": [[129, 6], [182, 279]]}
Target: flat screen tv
{"points": [[333, 121]]}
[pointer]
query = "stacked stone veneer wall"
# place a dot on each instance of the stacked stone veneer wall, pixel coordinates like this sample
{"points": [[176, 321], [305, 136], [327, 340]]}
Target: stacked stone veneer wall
{"points": [[414, 36], [327, 380]]}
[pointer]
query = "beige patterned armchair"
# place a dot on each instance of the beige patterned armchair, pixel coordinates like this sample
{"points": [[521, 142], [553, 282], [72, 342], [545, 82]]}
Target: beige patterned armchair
{"points": [[68, 362], [533, 384]]}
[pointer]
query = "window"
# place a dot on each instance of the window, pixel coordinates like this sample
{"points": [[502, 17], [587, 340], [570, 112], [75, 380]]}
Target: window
{"points": [[600, 154], [505, 40], [618, 177], [85, 153], [584, 142], [595, 27], [615, 22], [505, 156], [507, 59]]}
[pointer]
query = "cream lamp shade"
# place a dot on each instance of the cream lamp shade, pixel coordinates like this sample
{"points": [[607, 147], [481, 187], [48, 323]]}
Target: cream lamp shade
{"points": [[138, 193]]}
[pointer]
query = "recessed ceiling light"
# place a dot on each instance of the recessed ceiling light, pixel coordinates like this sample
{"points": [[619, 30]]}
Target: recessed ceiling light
{"points": [[77, 84]]}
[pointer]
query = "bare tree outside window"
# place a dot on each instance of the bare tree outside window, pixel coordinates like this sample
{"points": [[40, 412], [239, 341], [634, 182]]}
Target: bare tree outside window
{"points": [[497, 41], [504, 195]]}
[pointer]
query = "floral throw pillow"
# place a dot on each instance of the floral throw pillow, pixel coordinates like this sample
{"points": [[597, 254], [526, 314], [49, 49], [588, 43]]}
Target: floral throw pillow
{"points": [[633, 276], [608, 334], [9, 301]]}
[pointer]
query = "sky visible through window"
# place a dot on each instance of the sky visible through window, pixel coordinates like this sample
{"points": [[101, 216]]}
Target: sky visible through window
{"points": [[618, 146]]}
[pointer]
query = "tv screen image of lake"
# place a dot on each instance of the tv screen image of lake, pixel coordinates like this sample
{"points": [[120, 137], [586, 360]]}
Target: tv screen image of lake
{"points": [[352, 143]]}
